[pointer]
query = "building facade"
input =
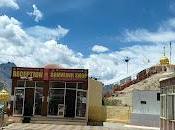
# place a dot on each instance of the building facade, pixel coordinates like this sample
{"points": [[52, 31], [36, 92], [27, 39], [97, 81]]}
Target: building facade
{"points": [[145, 108], [49, 92], [167, 98], [146, 102]]}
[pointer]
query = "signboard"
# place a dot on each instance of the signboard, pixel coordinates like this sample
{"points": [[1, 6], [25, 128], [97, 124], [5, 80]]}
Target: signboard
{"points": [[49, 74], [68, 74], [27, 73]]}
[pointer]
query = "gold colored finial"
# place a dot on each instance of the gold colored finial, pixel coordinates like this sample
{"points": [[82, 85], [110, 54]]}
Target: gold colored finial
{"points": [[164, 60]]}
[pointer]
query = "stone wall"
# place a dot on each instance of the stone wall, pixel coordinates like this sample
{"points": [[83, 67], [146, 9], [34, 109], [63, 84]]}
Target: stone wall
{"points": [[118, 114], [110, 114]]}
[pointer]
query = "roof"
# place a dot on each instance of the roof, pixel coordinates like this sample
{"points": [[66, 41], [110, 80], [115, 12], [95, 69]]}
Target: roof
{"points": [[53, 66]]}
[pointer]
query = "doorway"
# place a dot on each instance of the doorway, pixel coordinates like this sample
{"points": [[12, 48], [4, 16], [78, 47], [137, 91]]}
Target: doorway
{"points": [[70, 103], [29, 101], [38, 101]]}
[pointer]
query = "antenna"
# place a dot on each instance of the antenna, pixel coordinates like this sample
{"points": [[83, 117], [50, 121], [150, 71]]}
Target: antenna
{"points": [[170, 51], [164, 51], [127, 59]]}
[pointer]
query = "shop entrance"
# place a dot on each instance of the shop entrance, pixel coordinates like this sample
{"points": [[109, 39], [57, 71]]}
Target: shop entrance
{"points": [[70, 103], [29, 102]]}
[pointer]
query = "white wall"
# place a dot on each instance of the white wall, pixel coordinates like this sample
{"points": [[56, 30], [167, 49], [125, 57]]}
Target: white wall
{"points": [[152, 106]]}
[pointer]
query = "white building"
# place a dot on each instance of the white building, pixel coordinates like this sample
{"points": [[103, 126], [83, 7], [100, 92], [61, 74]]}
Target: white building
{"points": [[146, 107], [146, 102]]}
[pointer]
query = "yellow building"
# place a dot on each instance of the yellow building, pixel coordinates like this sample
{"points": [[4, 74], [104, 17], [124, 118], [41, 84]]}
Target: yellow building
{"points": [[95, 110]]}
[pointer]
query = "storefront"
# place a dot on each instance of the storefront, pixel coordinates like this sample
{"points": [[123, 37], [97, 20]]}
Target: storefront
{"points": [[49, 92]]}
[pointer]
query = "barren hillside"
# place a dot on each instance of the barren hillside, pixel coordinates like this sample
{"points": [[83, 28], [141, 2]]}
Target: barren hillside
{"points": [[151, 83]]}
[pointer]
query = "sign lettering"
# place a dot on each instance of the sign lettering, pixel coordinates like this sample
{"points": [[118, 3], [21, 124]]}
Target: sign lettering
{"points": [[68, 75], [50, 74], [33, 74]]}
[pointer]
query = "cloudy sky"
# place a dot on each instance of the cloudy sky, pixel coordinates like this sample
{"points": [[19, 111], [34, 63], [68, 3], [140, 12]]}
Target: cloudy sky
{"points": [[92, 34]]}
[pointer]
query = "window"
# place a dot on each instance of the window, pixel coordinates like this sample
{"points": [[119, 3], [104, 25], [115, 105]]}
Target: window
{"points": [[158, 96], [71, 85], [163, 106], [170, 89], [19, 98], [30, 84], [169, 107], [20, 83], [56, 98], [167, 102], [81, 104], [82, 86], [58, 84], [143, 102], [40, 84], [38, 100]]}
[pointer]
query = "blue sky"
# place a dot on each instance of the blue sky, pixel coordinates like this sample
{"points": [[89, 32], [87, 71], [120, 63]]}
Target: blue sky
{"points": [[96, 21], [95, 33]]}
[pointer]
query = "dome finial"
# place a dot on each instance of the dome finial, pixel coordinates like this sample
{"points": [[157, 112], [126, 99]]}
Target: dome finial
{"points": [[164, 60]]}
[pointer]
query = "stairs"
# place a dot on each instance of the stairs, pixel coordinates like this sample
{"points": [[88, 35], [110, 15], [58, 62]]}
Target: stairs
{"points": [[58, 121]]}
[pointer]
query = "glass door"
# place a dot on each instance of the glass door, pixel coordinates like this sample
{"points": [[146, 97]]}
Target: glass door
{"points": [[81, 104], [38, 101], [70, 98], [56, 102], [19, 101], [29, 101]]}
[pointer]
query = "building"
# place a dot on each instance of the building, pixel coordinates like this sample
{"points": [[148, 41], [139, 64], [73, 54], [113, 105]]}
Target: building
{"points": [[145, 107], [50, 92], [55, 92], [167, 114]]}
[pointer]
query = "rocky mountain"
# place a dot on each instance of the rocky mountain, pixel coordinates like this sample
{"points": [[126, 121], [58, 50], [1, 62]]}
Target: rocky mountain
{"points": [[5, 74], [107, 88]]}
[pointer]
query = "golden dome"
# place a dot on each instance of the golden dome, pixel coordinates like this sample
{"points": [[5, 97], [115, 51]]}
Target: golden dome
{"points": [[4, 95], [164, 61]]}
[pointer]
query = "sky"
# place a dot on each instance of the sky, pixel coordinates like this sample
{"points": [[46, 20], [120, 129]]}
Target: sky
{"points": [[89, 34]]}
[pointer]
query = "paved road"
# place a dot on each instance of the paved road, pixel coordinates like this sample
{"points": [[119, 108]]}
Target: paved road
{"points": [[29, 126]]}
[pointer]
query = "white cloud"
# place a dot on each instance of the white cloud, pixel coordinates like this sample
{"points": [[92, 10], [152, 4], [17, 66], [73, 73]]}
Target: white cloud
{"points": [[37, 14], [47, 33], [20, 47], [165, 33], [99, 49], [9, 3]]}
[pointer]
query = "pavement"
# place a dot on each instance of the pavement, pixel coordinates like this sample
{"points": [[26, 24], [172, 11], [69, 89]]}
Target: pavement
{"points": [[145, 119], [107, 126]]}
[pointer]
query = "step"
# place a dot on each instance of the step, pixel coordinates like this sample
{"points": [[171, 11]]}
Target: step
{"points": [[58, 121]]}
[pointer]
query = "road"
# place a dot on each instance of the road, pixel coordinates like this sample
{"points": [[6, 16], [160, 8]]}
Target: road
{"points": [[29, 126]]}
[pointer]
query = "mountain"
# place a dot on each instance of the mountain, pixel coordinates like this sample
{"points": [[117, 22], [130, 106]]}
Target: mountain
{"points": [[107, 89], [5, 74]]}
